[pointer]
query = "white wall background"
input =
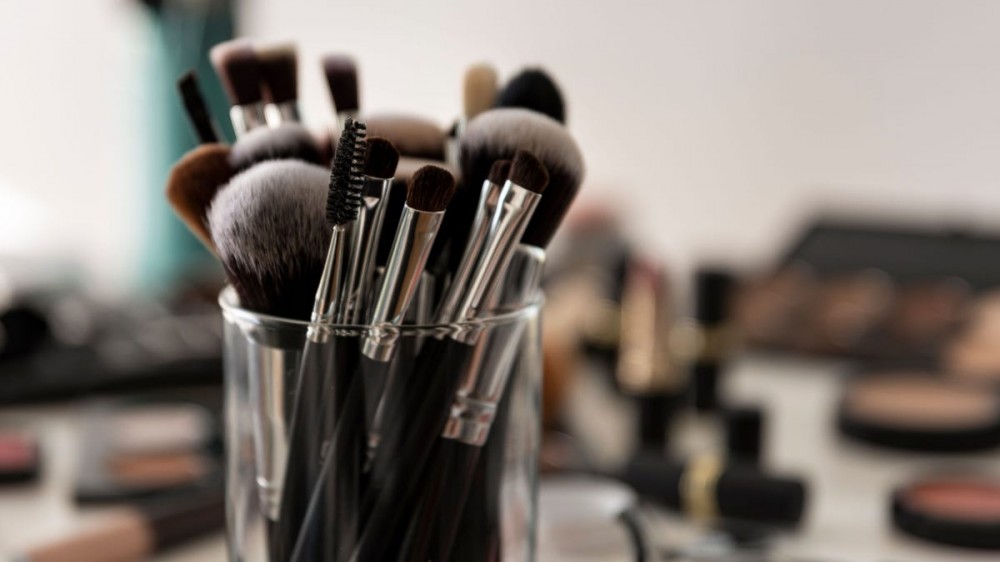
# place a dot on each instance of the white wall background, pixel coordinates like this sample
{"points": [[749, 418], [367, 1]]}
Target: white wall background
{"points": [[716, 124]]}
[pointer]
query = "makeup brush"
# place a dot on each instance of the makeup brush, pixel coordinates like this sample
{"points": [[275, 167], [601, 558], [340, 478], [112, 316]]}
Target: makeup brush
{"points": [[533, 89], [270, 231], [279, 69], [235, 63], [413, 136], [193, 182], [380, 164], [342, 80], [325, 369], [479, 90], [283, 142], [196, 108]]}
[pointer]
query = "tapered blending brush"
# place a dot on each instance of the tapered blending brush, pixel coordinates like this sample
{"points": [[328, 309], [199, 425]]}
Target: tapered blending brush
{"points": [[533, 89], [270, 231], [193, 182], [279, 69], [324, 370], [413, 136], [196, 108], [342, 80], [287, 141], [235, 63]]}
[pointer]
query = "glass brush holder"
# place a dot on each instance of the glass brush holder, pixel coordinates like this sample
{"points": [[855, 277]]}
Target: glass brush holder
{"points": [[370, 443]]}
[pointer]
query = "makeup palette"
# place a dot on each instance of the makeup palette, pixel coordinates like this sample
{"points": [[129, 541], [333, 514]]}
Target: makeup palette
{"points": [[955, 510], [919, 411]]}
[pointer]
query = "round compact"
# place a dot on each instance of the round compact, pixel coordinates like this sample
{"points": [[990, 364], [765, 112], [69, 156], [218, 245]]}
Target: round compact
{"points": [[920, 412], [955, 510]]}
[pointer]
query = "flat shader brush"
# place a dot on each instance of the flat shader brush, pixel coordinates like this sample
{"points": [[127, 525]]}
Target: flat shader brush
{"points": [[192, 184], [197, 110], [279, 70], [236, 65], [342, 80]]}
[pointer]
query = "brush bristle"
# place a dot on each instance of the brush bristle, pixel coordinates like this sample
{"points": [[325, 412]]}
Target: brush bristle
{"points": [[342, 79], [479, 89], [346, 183], [193, 182], [236, 64], [413, 136], [381, 159], [499, 133], [535, 90], [279, 68], [499, 172], [431, 189], [271, 234], [288, 141], [528, 172], [196, 108]]}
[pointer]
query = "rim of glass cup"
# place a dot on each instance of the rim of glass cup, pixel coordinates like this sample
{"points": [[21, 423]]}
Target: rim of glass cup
{"points": [[229, 303]]}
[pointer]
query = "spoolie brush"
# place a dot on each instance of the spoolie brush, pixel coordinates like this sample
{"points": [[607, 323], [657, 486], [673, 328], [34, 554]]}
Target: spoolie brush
{"points": [[236, 65], [193, 182], [197, 109], [533, 89], [280, 73], [287, 141], [342, 80]]}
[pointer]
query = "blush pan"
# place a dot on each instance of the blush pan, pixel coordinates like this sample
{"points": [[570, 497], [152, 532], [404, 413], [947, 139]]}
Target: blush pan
{"points": [[956, 510]]}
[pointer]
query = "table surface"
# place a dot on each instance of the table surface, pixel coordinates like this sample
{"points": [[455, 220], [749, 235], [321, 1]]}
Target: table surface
{"points": [[849, 483]]}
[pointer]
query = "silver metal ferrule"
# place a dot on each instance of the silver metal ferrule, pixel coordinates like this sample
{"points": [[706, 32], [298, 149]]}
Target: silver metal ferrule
{"points": [[328, 293], [410, 249], [482, 385], [246, 118], [284, 112], [364, 236], [518, 205], [483, 225]]}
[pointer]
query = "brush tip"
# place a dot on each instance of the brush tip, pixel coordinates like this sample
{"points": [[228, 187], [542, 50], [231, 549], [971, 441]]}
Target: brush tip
{"points": [[236, 64], [342, 79], [381, 158], [499, 172], [480, 89], [527, 171], [346, 186], [430, 189], [279, 71], [533, 89]]}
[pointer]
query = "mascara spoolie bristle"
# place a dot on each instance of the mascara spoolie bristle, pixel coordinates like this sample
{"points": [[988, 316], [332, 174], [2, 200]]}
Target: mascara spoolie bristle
{"points": [[528, 172], [236, 64], [342, 79], [499, 172], [431, 189], [479, 89], [346, 184], [196, 108], [533, 89], [288, 141], [381, 158], [193, 182], [279, 69]]}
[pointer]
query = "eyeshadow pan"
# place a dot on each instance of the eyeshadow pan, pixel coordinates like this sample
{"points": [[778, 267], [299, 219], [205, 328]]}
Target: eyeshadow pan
{"points": [[956, 510]]}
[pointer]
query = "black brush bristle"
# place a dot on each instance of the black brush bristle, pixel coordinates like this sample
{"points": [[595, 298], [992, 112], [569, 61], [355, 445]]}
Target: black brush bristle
{"points": [[381, 158], [533, 89], [346, 186], [342, 79], [431, 189], [499, 172], [279, 69], [527, 171], [196, 108], [239, 71]]}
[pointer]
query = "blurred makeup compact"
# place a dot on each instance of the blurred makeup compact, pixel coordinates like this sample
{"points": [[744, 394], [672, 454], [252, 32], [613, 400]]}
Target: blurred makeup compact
{"points": [[137, 449], [919, 411], [955, 510], [19, 457]]}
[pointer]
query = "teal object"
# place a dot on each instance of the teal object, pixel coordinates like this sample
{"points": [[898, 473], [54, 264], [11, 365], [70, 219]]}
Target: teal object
{"points": [[183, 32]]}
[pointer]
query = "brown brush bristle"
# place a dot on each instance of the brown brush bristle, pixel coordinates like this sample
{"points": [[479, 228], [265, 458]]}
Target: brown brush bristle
{"points": [[193, 182], [236, 64], [480, 89], [279, 70], [431, 189], [499, 172], [528, 172], [342, 79], [381, 158], [413, 136]]}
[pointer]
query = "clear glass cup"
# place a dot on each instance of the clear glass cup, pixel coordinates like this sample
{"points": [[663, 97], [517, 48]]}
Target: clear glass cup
{"points": [[369, 441]]}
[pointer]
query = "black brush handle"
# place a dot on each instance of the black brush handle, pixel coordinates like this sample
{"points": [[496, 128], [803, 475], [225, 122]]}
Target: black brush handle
{"points": [[407, 439], [452, 471]]}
